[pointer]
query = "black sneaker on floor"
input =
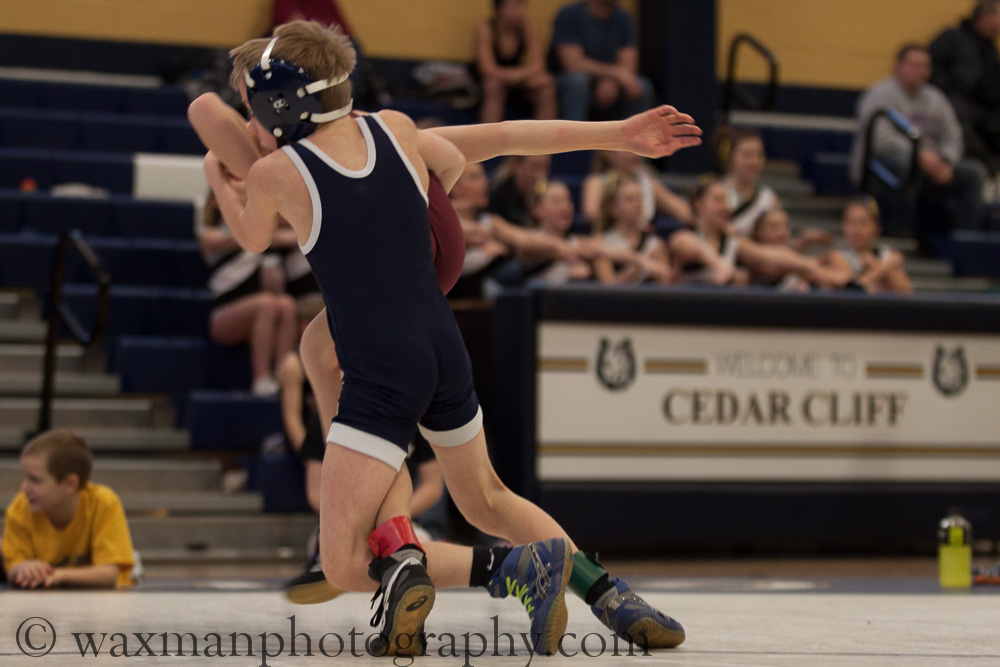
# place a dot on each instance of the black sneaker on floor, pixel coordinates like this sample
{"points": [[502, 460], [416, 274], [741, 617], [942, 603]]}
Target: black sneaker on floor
{"points": [[407, 598], [311, 587]]}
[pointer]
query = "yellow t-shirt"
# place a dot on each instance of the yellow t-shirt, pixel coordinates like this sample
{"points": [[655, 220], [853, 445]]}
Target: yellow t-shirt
{"points": [[97, 535]]}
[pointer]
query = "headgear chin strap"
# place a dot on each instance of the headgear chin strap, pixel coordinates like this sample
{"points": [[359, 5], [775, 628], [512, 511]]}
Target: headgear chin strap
{"points": [[285, 99]]}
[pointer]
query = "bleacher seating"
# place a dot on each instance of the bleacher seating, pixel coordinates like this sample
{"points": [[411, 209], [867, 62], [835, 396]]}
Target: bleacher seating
{"points": [[40, 95], [231, 421], [94, 131], [117, 215]]}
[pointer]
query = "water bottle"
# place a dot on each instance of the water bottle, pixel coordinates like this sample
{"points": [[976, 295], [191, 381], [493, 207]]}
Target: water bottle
{"points": [[955, 551]]}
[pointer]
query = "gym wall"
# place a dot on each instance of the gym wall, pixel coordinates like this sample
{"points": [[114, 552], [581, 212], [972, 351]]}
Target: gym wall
{"points": [[845, 44], [401, 29]]}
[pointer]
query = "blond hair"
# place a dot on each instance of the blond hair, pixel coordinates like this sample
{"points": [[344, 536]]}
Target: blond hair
{"points": [[612, 183], [67, 454], [321, 51]]}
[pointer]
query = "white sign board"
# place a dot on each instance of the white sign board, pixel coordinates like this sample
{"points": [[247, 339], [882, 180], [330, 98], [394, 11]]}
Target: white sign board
{"points": [[660, 402]]}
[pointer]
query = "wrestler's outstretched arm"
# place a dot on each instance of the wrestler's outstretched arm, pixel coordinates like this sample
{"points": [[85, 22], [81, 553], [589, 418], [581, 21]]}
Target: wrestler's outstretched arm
{"points": [[654, 133]]}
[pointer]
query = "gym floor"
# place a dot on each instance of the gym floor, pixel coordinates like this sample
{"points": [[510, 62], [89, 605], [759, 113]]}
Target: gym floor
{"points": [[736, 612]]}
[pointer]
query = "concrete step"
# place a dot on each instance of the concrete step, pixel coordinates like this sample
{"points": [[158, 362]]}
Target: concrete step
{"points": [[18, 304], [842, 124], [782, 175], [194, 539], [278, 556], [111, 439], [185, 503], [66, 384], [137, 475], [22, 331], [88, 412], [15, 357], [928, 268], [10, 306], [265, 532], [182, 503], [975, 285]]}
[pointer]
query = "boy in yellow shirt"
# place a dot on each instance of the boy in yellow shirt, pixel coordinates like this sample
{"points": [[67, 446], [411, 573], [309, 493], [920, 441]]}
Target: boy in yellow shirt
{"points": [[62, 530]]}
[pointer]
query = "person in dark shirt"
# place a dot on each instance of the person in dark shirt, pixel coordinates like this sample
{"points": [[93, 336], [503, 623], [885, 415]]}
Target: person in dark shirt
{"points": [[509, 59], [594, 56], [517, 184], [967, 69]]}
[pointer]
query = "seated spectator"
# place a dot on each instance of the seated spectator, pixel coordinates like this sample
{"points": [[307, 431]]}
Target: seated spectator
{"points": [[517, 182], [303, 431], [509, 57], [552, 214], [490, 239], [967, 70], [946, 177], [874, 268], [657, 199], [743, 160], [708, 254], [300, 282], [250, 304], [622, 225], [62, 530], [594, 56], [770, 258], [744, 165]]}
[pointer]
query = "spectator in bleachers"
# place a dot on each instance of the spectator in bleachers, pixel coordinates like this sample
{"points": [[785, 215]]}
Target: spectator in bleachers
{"points": [[509, 58], [552, 214], [657, 199], [744, 161], [304, 433], [946, 178], [517, 182], [62, 530], [623, 225], [250, 304], [743, 156], [594, 56], [771, 259], [709, 254], [492, 241], [872, 267], [967, 69], [300, 282]]}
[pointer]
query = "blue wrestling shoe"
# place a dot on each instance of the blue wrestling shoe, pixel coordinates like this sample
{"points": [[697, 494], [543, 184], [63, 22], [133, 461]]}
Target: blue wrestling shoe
{"points": [[537, 575], [635, 620]]}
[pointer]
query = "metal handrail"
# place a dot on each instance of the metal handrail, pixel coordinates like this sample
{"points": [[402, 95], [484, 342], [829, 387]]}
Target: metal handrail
{"points": [[733, 92], [60, 313], [873, 167]]}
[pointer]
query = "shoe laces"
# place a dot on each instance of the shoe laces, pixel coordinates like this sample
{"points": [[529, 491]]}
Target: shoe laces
{"points": [[541, 584], [377, 618], [543, 572]]}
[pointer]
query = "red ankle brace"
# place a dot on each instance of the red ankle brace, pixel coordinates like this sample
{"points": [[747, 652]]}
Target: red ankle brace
{"points": [[391, 536]]}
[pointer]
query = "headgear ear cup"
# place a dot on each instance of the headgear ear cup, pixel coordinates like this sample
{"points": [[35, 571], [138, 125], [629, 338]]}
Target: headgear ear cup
{"points": [[286, 100]]}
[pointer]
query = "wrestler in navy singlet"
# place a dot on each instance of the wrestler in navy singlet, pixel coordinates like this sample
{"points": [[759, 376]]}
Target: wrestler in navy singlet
{"points": [[400, 349]]}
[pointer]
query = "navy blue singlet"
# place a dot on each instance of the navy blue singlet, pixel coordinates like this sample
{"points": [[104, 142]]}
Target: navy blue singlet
{"points": [[403, 357]]}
